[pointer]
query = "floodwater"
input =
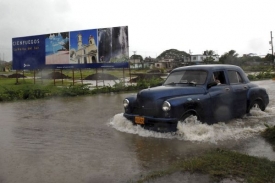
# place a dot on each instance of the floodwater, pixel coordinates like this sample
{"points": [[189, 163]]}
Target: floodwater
{"points": [[86, 139]]}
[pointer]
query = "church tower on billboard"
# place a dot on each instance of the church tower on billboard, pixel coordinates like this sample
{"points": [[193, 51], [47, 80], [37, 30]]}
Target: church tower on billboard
{"points": [[85, 53], [79, 41]]}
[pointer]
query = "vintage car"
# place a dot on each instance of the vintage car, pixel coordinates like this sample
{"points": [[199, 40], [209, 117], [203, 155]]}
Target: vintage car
{"points": [[212, 93]]}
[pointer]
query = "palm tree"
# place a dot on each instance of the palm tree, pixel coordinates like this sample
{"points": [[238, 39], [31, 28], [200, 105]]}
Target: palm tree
{"points": [[230, 57], [209, 54], [233, 53]]}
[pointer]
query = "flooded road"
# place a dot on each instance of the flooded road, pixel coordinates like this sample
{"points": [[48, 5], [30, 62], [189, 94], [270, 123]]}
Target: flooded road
{"points": [[86, 139]]}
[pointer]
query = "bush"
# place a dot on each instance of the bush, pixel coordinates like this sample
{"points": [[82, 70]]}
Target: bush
{"points": [[30, 91], [262, 75], [25, 92], [75, 90], [269, 134]]}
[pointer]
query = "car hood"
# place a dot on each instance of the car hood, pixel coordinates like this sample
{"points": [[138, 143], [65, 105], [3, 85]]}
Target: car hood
{"points": [[164, 92]]}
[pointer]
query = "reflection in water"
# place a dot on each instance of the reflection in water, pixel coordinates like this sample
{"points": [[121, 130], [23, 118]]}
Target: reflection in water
{"points": [[63, 140]]}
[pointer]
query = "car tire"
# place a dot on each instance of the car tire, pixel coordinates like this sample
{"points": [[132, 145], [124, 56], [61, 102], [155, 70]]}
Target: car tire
{"points": [[256, 104], [188, 118]]}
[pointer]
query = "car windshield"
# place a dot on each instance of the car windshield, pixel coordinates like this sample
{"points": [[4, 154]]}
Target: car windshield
{"points": [[186, 77]]}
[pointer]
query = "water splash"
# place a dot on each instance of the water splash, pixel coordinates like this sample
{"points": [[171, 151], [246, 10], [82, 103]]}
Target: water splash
{"points": [[122, 124], [194, 130]]}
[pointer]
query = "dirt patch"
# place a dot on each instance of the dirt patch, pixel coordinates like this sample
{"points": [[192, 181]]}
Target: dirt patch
{"points": [[56, 75], [101, 76], [16, 76], [154, 71], [147, 76], [3, 76]]}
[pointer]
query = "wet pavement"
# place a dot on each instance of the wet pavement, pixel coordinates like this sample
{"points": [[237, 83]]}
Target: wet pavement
{"points": [[86, 139]]}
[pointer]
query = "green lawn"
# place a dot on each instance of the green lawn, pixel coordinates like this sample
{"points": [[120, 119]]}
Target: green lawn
{"points": [[220, 164]]}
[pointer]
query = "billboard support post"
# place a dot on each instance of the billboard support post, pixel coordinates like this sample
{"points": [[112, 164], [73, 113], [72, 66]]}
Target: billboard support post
{"points": [[123, 77], [96, 77], [41, 77], [81, 76], [73, 77], [103, 77], [53, 77], [34, 76], [61, 70], [16, 77]]}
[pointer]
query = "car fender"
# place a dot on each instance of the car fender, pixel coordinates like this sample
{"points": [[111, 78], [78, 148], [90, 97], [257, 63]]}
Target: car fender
{"points": [[194, 104], [132, 100], [257, 94]]}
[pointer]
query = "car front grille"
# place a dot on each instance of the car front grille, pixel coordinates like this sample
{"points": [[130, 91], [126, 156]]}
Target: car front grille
{"points": [[145, 111], [146, 108]]}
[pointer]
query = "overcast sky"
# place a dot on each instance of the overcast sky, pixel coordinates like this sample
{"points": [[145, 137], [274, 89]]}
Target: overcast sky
{"points": [[154, 25]]}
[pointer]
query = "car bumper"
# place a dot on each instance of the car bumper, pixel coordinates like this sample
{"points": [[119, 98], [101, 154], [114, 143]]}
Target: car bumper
{"points": [[155, 124]]}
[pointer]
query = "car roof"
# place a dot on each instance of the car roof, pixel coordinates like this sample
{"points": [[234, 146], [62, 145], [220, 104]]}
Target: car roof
{"points": [[209, 67]]}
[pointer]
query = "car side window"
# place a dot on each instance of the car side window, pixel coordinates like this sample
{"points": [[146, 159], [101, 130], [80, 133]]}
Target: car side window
{"points": [[234, 77], [218, 76]]}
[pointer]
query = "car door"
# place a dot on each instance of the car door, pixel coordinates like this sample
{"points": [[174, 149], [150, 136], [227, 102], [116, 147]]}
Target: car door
{"points": [[221, 97], [239, 93]]}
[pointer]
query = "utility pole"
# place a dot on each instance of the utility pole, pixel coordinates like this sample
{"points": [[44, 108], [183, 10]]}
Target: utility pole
{"points": [[134, 59], [272, 53]]}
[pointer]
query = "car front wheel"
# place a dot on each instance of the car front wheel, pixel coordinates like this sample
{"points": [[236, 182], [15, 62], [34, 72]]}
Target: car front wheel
{"points": [[188, 118]]}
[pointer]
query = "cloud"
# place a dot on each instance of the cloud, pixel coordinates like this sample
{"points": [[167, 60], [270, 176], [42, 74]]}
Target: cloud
{"points": [[153, 27], [256, 45]]}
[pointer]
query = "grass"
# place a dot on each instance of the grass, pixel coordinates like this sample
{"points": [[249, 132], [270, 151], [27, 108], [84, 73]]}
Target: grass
{"points": [[269, 134], [24, 89], [78, 73], [261, 75], [257, 68], [220, 164]]}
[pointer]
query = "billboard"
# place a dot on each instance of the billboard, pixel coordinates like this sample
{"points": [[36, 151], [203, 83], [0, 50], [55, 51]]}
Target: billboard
{"points": [[93, 48]]}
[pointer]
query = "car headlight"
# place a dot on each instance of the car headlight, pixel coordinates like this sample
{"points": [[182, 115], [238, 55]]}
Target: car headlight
{"points": [[126, 103], [166, 106]]}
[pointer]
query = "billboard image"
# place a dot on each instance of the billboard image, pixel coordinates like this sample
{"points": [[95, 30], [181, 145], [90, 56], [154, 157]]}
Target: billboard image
{"points": [[94, 48], [83, 47], [113, 44], [57, 48]]}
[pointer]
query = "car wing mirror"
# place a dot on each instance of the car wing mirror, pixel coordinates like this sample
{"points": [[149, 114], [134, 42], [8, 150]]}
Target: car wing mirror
{"points": [[209, 85]]}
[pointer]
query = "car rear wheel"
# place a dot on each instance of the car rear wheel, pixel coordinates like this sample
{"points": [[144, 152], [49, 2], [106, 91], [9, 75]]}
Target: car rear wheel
{"points": [[256, 105]]}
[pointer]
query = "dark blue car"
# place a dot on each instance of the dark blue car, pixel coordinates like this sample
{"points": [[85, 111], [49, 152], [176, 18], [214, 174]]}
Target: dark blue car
{"points": [[213, 93]]}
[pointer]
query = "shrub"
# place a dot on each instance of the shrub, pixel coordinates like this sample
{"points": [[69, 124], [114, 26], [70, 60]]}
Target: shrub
{"points": [[269, 134], [24, 92], [30, 91], [261, 75], [75, 90]]}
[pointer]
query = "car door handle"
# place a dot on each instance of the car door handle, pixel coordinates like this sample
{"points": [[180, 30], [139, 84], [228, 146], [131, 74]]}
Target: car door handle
{"points": [[227, 89], [245, 87]]}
